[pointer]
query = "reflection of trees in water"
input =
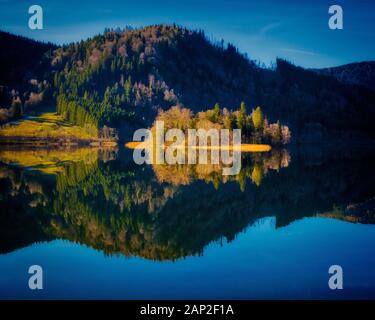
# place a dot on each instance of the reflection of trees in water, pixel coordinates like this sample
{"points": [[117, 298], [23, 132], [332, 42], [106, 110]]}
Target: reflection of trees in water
{"points": [[253, 166], [118, 207]]}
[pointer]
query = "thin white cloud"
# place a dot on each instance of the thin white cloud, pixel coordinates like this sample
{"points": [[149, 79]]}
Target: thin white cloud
{"points": [[305, 52], [272, 26]]}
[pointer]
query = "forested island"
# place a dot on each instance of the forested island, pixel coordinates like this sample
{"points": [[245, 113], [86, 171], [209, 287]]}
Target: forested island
{"points": [[255, 128]]}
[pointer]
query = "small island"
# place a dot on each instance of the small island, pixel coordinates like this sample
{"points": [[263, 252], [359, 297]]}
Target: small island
{"points": [[255, 127], [257, 134]]}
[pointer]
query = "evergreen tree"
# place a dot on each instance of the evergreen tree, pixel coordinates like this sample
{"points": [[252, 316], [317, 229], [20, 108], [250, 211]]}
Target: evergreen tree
{"points": [[241, 117], [127, 88], [257, 117]]}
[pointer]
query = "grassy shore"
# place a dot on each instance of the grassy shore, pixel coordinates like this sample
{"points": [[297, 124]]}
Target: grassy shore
{"points": [[47, 125], [50, 129]]}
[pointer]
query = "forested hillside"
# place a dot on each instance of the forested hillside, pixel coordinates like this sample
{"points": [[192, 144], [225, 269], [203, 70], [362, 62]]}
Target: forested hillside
{"points": [[24, 71], [129, 75], [361, 73], [315, 106], [122, 78]]}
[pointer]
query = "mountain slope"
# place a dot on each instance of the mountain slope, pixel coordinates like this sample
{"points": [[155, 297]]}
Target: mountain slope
{"points": [[129, 75], [360, 73], [24, 65], [316, 106], [20, 59], [122, 78]]}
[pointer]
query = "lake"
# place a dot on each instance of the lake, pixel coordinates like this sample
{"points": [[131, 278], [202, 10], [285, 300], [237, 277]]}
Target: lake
{"points": [[101, 226]]}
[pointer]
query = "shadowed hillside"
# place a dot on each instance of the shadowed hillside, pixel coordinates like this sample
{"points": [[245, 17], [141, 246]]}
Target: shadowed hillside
{"points": [[24, 71], [361, 73], [121, 78]]}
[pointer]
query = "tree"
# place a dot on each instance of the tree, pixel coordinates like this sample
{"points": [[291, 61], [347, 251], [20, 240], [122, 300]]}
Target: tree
{"points": [[279, 134], [257, 175], [16, 108], [286, 135], [216, 112], [257, 117], [241, 116], [227, 119], [127, 89]]}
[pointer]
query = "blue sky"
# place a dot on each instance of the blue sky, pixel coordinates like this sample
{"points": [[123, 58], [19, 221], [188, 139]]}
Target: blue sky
{"points": [[263, 29]]}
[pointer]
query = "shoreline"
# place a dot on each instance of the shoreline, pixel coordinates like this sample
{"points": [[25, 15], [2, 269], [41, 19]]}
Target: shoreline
{"points": [[243, 147], [55, 141]]}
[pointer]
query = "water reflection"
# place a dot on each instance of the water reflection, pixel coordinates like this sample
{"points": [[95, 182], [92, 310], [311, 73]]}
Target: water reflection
{"points": [[254, 167], [100, 198]]}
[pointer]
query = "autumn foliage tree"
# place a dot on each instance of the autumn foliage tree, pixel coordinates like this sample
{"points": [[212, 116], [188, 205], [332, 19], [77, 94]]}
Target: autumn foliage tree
{"points": [[254, 128]]}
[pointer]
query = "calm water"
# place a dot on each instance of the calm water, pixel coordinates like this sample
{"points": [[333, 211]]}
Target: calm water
{"points": [[103, 227]]}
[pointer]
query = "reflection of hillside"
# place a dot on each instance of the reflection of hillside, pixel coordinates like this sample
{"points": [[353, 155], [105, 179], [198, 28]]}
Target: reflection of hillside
{"points": [[120, 208], [51, 160], [24, 203], [363, 212], [113, 209]]}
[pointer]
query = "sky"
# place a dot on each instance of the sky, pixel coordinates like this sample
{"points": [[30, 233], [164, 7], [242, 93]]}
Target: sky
{"points": [[264, 29]]}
